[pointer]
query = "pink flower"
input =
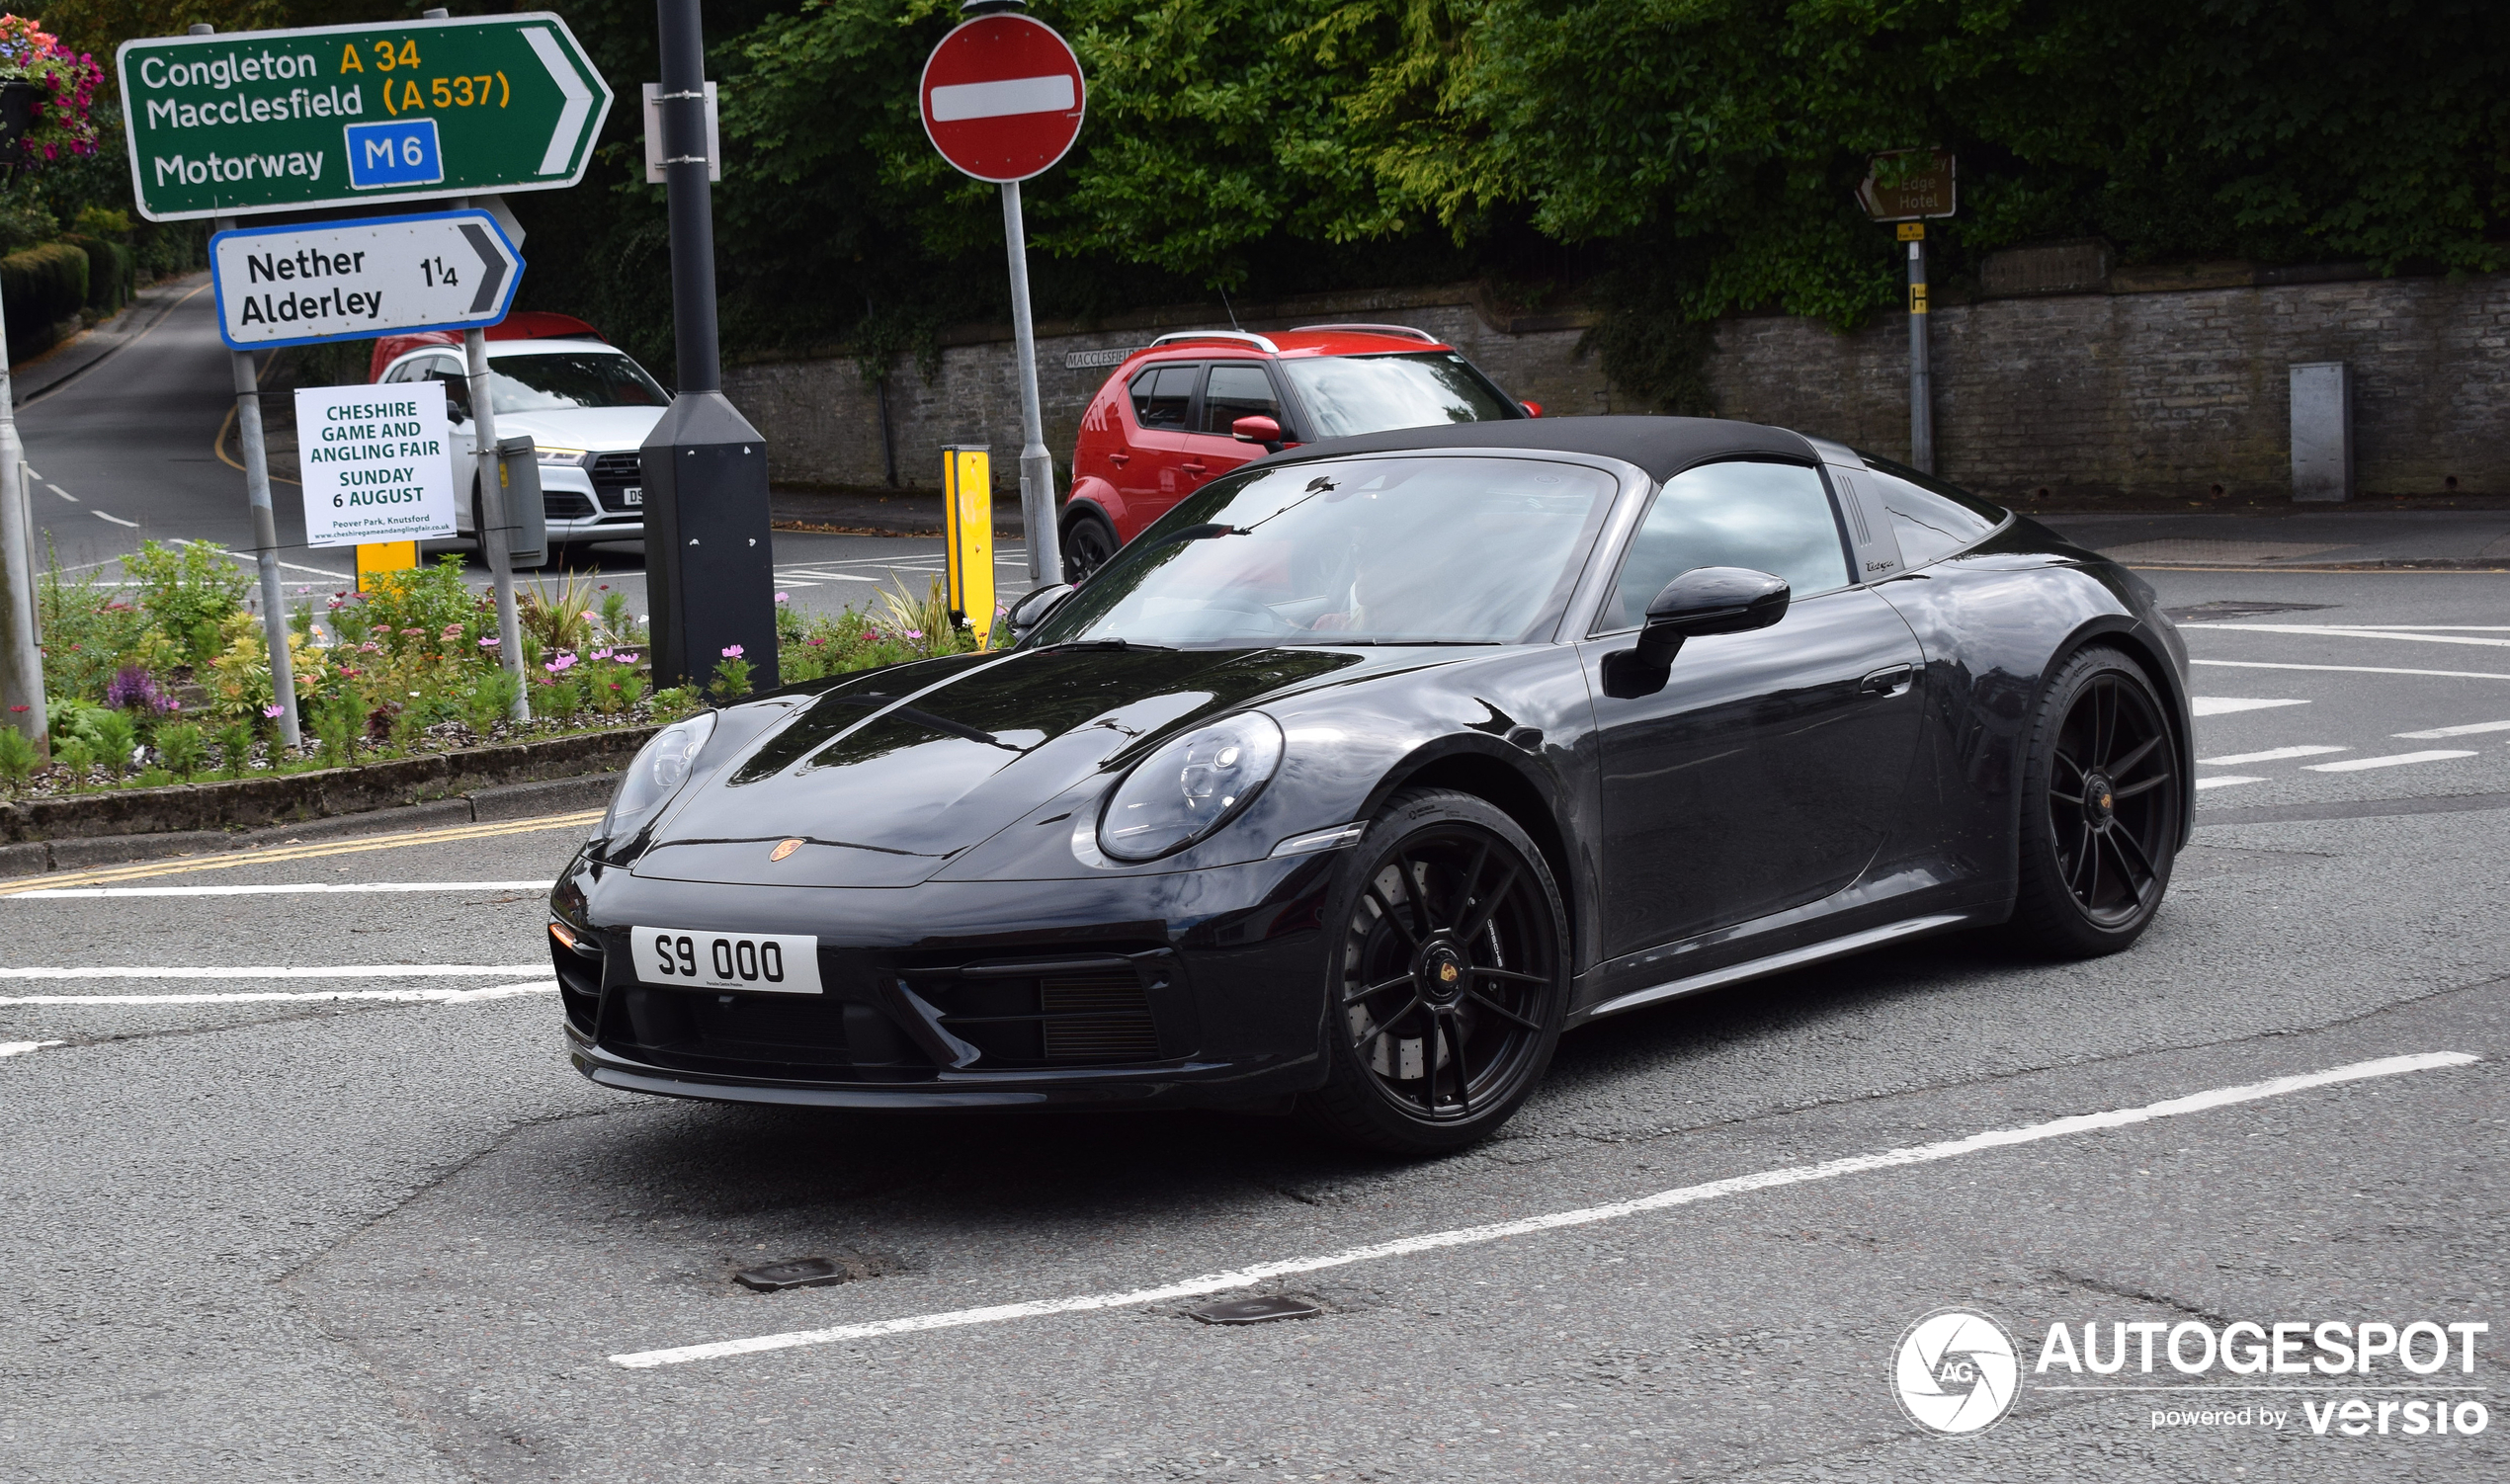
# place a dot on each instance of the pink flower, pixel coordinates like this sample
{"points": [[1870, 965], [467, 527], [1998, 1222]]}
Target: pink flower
{"points": [[272, 710], [626, 659], [731, 651], [784, 597], [915, 634], [490, 642]]}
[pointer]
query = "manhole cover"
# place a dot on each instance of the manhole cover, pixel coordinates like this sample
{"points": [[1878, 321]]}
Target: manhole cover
{"points": [[1263, 1310], [2236, 609], [801, 1272]]}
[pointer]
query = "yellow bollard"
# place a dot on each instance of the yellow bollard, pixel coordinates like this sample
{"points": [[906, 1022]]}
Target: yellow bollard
{"points": [[384, 556], [968, 529]]}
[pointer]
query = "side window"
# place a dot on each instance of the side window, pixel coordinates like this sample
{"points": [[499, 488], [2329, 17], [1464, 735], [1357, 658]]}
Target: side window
{"points": [[450, 371], [1769, 516], [1161, 395], [1931, 522], [1237, 392]]}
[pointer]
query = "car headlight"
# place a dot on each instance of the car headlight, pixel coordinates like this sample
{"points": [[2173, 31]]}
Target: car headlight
{"points": [[1189, 787], [660, 766], [566, 458]]}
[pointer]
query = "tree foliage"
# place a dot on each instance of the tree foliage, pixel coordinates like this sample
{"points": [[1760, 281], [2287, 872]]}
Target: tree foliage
{"points": [[1689, 157]]}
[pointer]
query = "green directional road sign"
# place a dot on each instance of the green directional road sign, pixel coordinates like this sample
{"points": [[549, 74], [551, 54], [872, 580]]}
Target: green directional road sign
{"points": [[277, 121]]}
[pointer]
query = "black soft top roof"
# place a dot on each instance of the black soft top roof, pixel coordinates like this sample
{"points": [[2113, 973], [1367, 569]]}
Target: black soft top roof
{"points": [[1662, 445]]}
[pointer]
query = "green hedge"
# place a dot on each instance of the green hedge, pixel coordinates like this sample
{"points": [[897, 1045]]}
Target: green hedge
{"points": [[39, 289], [109, 270]]}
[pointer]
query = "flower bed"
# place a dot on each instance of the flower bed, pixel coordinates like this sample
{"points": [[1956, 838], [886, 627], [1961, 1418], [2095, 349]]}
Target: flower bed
{"points": [[168, 679]]}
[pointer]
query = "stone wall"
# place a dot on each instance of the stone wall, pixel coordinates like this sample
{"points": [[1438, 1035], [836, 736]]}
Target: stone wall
{"points": [[2074, 378]]}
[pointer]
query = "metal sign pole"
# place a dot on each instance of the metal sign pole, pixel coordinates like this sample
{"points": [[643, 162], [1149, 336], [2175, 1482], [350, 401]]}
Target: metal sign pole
{"points": [[1037, 467], [20, 661], [1921, 392], [490, 517], [248, 426]]}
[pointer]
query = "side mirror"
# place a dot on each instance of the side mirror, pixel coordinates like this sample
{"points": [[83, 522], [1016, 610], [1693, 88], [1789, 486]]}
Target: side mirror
{"points": [[1258, 430], [1532, 409], [1033, 610], [1700, 601]]}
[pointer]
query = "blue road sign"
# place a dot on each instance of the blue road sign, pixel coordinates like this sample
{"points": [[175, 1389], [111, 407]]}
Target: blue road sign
{"points": [[395, 152]]}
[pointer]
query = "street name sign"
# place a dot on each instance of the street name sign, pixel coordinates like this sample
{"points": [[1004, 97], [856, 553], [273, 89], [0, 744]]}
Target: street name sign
{"points": [[329, 116], [376, 462], [356, 279], [1002, 98], [1922, 187]]}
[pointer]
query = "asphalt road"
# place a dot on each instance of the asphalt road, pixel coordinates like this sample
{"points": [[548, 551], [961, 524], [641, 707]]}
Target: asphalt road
{"points": [[258, 1234], [129, 450]]}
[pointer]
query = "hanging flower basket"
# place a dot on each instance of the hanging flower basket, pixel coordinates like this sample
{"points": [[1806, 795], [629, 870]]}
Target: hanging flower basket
{"points": [[48, 96]]}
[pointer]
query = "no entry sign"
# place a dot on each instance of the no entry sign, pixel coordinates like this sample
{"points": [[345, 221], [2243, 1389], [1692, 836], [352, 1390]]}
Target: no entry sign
{"points": [[1002, 98]]}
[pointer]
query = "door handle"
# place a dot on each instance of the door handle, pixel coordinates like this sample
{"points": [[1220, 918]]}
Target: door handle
{"points": [[1887, 682], [1195, 470], [1119, 459]]}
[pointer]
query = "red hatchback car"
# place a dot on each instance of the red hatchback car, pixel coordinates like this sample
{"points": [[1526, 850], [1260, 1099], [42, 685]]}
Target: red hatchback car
{"points": [[1190, 407]]}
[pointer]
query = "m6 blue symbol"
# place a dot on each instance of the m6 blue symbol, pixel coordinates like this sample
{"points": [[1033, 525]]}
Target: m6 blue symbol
{"points": [[399, 152]]}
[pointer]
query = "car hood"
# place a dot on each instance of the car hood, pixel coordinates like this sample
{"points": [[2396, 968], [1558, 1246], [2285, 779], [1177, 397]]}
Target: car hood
{"points": [[889, 775], [601, 429]]}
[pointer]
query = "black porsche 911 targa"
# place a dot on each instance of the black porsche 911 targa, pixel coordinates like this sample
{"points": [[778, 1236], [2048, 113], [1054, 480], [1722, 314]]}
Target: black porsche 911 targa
{"points": [[1376, 765]]}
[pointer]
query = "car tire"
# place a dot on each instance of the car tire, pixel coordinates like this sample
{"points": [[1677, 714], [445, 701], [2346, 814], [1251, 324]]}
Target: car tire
{"points": [[2101, 802], [1446, 922], [1089, 539]]}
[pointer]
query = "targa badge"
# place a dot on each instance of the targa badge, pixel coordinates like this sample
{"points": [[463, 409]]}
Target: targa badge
{"points": [[1956, 1373]]}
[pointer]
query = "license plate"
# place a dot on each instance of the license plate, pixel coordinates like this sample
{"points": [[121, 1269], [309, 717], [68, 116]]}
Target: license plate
{"points": [[758, 963], [633, 494]]}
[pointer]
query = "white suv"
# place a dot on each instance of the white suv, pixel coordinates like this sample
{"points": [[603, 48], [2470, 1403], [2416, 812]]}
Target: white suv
{"points": [[587, 404]]}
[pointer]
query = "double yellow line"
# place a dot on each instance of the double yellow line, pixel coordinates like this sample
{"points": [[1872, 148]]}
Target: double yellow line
{"points": [[223, 861]]}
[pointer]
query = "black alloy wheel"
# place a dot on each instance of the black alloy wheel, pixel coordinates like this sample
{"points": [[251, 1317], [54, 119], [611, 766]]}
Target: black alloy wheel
{"points": [[2101, 808], [1447, 978], [1088, 541]]}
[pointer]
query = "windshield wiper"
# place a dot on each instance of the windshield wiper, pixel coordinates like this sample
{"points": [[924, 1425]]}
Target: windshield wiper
{"points": [[1107, 645], [1200, 533]]}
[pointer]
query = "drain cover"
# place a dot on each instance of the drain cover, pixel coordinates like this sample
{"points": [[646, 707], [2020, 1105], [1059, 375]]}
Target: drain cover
{"points": [[2236, 609], [1255, 1310], [801, 1272]]}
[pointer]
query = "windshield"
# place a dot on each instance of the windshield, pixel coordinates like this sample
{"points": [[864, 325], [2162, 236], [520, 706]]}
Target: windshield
{"points": [[573, 378], [1408, 550], [1348, 394]]}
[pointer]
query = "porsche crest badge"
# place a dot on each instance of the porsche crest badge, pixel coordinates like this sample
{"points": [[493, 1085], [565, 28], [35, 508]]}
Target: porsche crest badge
{"points": [[783, 849]]}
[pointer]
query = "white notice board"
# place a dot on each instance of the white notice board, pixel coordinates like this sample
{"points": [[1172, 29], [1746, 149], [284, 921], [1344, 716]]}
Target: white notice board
{"points": [[377, 463]]}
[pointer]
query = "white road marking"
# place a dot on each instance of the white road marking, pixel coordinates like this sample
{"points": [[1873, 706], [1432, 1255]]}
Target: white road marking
{"points": [[2468, 730], [20, 1048], [433, 996], [2396, 760], [2353, 634], [1247, 1278], [2225, 783], [290, 888], [243, 972], [2439, 627], [64, 494], [2223, 705], [2275, 754], [116, 520], [2350, 669]]}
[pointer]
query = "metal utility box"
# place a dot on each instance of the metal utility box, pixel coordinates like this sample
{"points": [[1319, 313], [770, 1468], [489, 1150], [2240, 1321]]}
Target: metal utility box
{"points": [[526, 520], [2323, 431]]}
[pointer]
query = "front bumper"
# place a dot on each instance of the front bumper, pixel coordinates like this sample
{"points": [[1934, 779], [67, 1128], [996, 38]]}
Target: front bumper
{"points": [[1203, 988]]}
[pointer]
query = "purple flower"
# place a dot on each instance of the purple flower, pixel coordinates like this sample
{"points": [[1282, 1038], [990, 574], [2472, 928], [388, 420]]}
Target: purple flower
{"points": [[490, 642], [272, 710], [731, 651], [624, 659], [134, 686]]}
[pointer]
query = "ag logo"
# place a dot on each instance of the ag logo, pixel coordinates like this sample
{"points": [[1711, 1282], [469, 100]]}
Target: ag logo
{"points": [[1956, 1371]]}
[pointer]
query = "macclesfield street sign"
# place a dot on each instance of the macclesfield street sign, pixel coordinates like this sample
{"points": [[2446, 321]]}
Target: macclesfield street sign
{"points": [[328, 116]]}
